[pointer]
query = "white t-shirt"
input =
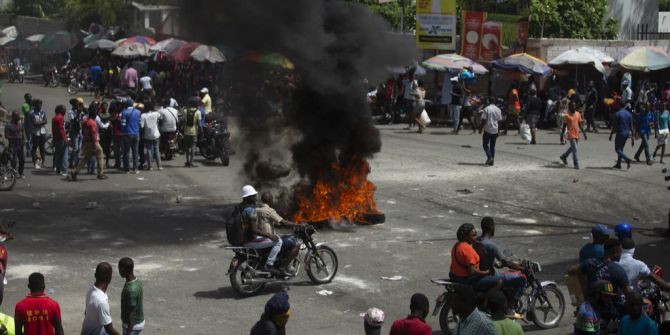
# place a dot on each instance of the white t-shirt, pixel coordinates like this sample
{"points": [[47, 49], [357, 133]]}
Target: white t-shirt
{"points": [[169, 116], [146, 82], [491, 116], [173, 103], [633, 267], [149, 122], [97, 314]]}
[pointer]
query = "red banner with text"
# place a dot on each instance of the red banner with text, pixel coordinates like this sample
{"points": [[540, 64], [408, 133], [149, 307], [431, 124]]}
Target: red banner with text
{"points": [[471, 33]]}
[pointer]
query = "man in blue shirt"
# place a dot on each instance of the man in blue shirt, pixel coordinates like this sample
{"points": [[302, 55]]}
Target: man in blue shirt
{"points": [[636, 322], [642, 120], [623, 127], [595, 249], [130, 132]]}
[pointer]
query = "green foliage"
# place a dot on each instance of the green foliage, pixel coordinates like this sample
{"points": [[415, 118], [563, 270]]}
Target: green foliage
{"points": [[571, 19], [392, 12], [663, 5], [36, 8]]}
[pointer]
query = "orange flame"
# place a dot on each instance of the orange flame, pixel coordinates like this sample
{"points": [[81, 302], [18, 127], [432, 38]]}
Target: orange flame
{"points": [[345, 195]]}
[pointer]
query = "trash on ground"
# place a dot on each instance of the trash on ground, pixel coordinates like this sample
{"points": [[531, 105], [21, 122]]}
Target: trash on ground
{"points": [[324, 293], [394, 278], [464, 191]]}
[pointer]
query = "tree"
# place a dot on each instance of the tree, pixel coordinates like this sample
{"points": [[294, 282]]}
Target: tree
{"points": [[571, 19], [392, 12], [36, 8]]}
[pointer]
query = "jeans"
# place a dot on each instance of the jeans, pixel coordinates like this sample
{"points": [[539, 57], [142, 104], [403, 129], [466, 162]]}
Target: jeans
{"points": [[118, 145], [38, 143], [264, 242], [76, 149], [456, 115], [29, 138], [572, 150], [60, 156], [130, 142], [152, 152], [489, 142], [619, 143], [510, 282], [644, 145], [18, 158]]}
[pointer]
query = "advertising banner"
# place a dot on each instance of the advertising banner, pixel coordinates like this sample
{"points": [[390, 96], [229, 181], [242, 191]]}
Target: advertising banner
{"points": [[490, 46], [436, 24], [472, 29]]}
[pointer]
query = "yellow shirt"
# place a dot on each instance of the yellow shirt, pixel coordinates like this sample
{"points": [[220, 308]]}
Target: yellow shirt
{"points": [[207, 103], [193, 130], [267, 217]]}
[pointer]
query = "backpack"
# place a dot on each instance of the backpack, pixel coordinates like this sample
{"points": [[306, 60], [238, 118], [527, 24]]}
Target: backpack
{"points": [[236, 226], [190, 116]]}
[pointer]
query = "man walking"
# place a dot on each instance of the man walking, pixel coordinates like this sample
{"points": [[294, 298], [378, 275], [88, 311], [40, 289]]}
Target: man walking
{"points": [[643, 118], [662, 132], [623, 127], [91, 146], [97, 318], [572, 124], [591, 105], [149, 122], [14, 132], [60, 141], [490, 118], [532, 113], [130, 130], [132, 297], [38, 120], [37, 314], [73, 126], [191, 129], [130, 78]]}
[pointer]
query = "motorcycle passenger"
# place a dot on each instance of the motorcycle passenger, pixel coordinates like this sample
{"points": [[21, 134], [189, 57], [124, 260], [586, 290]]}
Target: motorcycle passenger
{"points": [[268, 218], [636, 269], [636, 322], [606, 269], [465, 261], [489, 252], [595, 249], [596, 309], [257, 238]]}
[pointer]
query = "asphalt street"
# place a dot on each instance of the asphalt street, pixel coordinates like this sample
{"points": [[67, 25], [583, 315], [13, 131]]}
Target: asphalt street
{"points": [[171, 223]]}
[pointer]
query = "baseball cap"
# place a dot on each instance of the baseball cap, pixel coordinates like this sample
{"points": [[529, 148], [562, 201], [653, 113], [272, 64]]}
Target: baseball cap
{"points": [[604, 287], [204, 90], [600, 229], [374, 317]]}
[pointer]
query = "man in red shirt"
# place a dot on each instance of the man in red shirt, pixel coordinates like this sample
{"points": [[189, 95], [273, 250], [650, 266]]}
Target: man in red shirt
{"points": [[91, 146], [415, 323], [37, 314], [60, 141]]}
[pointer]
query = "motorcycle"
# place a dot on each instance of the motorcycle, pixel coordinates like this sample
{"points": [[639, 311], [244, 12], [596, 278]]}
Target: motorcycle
{"points": [[215, 142], [538, 297], [8, 175], [51, 77], [246, 277], [168, 144], [652, 294], [16, 73], [78, 83]]}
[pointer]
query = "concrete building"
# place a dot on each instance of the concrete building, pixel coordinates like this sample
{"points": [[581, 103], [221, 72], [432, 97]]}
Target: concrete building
{"points": [[631, 13], [159, 19]]}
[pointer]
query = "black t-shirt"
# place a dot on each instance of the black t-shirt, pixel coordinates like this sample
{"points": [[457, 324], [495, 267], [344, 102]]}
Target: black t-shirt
{"points": [[534, 106], [456, 93]]}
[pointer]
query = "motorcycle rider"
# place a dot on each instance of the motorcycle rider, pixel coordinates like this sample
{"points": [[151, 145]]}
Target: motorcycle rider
{"points": [[268, 218], [596, 308], [636, 269], [256, 237], [465, 262], [595, 249], [168, 123]]}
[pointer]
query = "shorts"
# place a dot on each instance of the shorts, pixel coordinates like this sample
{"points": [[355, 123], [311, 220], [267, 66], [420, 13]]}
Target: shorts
{"points": [[532, 120], [188, 141], [663, 136]]}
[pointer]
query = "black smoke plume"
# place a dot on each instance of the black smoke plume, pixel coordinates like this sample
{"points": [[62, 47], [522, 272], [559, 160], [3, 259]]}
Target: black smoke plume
{"points": [[338, 49]]}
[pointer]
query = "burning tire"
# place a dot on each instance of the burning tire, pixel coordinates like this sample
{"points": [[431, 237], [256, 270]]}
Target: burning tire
{"points": [[371, 218], [321, 266]]}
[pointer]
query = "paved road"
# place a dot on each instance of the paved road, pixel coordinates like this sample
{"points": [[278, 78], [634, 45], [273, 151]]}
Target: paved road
{"points": [[544, 212]]}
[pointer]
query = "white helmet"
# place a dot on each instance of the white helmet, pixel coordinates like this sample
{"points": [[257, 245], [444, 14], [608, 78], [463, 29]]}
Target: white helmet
{"points": [[248, 190]]}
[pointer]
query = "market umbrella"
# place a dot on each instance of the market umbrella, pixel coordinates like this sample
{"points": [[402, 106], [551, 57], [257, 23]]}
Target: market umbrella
{"points": [[208, 53], [8, 34], [167, 45], [646, 59], [599, 55], [138, 39], [183, 53], [35, 38], [416, 68], [102, 44], [453, 62], [576, 57], [274, 59], [523, 62], [58, 42], [132, 50], [20, 44]]}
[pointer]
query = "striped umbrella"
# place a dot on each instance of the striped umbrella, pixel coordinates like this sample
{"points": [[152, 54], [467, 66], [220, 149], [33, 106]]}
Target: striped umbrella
{"points": [[132, 50], [183, 53], [523, 62], [646, 59], [167, 45], [138, 39], [454, 62]]}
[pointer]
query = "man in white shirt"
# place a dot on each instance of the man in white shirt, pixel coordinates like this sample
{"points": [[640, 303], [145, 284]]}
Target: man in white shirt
{"points": [[636, 269], [490, 118], [146, 85], [97, 318], [149, 122]]}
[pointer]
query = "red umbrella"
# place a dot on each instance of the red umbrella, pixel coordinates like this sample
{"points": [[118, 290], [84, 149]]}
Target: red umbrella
{"points": [[139, 39], [183, 53]]}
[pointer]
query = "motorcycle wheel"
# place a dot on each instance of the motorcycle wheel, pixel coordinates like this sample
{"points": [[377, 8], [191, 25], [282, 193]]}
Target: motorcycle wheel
{"points": [[204, 152], [49, 146], [539, 309], [225, 158], [321, 266], [237, 280], [448, 320], [72, 89], [7, 178]]}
